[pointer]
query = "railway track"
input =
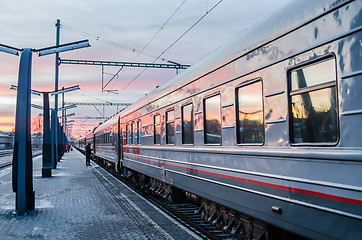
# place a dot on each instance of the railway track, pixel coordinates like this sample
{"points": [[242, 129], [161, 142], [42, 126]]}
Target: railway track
{"points": [[2, 165], [188, 213], [6, 153]]}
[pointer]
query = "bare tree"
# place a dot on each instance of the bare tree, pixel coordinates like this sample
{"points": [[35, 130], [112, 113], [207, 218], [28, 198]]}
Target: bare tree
{"points": [[37, 125]]}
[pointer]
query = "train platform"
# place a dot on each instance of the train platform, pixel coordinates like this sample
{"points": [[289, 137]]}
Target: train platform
{"points": [[80, 202]]}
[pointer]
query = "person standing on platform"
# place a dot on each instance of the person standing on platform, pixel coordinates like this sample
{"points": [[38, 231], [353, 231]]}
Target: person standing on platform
{"points": [[88, 151], [66, 148]]}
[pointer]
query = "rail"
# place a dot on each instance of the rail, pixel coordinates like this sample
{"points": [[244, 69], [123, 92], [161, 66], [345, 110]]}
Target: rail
{"points": [[187, 213], [9, 152], [6, 152]]}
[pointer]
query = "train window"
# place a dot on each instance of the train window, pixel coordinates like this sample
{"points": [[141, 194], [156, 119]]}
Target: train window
{"points": [[170, 127], [313, 97], [139, 132], [187, 124], [157, 129], [212, 123], [250, 117], [133, 133], [127, 134]]}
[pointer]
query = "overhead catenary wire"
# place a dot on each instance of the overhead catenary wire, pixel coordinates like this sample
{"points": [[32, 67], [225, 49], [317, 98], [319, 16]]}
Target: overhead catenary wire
{"points": [[163, 25], [149, 41], [101, 39], [172, 44], [139, 52], [92, 97]]}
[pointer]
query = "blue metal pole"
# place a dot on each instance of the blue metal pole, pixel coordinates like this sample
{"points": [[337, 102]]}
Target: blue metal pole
{"points": [[52, 136], [56, 89], [47, 151], [58, 139], [22, 156], [61, 140]]}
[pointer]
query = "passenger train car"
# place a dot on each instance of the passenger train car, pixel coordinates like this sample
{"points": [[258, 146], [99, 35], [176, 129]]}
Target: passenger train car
{"points": [[265, 132]]}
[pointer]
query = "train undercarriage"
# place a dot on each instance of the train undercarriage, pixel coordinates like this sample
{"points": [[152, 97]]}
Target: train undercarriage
{"points": [[236, 224]]}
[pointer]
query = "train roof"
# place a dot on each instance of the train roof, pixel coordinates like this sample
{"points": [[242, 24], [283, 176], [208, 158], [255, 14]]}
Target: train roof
{"points": [[293, 15], [109, 122]]}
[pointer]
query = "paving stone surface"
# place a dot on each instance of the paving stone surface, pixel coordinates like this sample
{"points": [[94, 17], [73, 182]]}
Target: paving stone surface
{"points": [[80, 202]]}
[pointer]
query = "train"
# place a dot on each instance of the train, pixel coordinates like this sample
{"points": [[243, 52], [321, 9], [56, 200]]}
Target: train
{"points": [[265, 132]]}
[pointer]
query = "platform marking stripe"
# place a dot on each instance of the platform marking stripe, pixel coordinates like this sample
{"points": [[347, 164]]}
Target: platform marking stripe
{"points": [[138, 209]]}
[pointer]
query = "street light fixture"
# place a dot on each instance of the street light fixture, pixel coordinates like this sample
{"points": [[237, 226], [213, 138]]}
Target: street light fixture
{"points": [[69, 115], [14, 87], [10, 50], [68, 89], [37, 106], [67, 107], [70, 121], [62, 48]]}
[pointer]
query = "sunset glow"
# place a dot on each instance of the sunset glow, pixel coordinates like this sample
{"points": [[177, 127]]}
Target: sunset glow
{"points": [[115, 34]]}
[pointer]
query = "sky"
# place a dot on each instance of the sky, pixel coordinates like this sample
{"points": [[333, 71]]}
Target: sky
{"points": [[123, 30]]}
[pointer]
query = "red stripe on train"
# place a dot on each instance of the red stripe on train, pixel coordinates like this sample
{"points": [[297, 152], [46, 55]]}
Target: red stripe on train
{"points": [[264, 184]]}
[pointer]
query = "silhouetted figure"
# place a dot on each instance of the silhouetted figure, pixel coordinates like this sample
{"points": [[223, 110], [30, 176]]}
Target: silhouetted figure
{"points": [[88, 151]]}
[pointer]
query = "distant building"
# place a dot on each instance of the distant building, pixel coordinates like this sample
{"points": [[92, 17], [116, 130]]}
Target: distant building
{"points": [[36, 141], [6, 140]]}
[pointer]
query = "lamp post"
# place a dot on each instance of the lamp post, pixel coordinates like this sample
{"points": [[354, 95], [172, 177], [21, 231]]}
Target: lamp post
{"points": [[22, 156], [47, 147], [48, 144], [58, 151]]}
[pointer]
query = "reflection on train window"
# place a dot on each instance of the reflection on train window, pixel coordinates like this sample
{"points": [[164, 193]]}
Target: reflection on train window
{"points": [[157, 129], [170, 127], [187, 124], [250, 123], [139, 132], [314, 104], [127, 134], [212, 123], [133, 132]]}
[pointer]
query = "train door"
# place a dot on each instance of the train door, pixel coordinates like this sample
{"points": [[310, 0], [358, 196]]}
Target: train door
{"points": [[119, 146], [94, 143]]}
